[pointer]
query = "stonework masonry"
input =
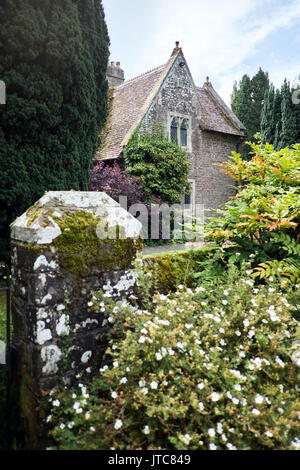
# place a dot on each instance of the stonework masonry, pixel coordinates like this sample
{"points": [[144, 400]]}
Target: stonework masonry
{"points": [[167, 92], [59, 257]]}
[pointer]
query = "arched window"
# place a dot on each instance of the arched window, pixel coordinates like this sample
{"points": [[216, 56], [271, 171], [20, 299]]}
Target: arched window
{"points": [[173, 130], [183, 134]]}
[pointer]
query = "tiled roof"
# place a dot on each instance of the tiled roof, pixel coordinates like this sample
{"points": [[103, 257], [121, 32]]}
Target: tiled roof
{"points": [[216, 116], [132, 98], [126, 105]]}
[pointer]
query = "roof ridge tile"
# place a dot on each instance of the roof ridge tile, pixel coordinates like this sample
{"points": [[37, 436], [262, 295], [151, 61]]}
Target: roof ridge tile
{"points": [[141, 75]]}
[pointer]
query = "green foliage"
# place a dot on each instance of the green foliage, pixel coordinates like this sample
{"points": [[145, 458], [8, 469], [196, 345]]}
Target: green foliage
{"points": [[53, 60], [280, 117], [201, 369], [247, 100], [161, 165], [168, 270], [262, 221]]}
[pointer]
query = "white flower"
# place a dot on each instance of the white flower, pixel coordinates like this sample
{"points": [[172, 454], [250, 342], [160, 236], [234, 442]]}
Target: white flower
{"points": [[123, 380], [274, 317], [154, 385], [144, 390], [246, 322], [115, 363], [114, 394], [226, 292], [258, 362], [77, 407], [230, 446], [211, 432], [186, 439], [238, 387], [219, 428], [158, 356], [142, 383], [62, 426], [279, 361], [142, 339], [146, 430], [118, 424], [224, 302], [255, 411], [201, 406], [238, 333], [200, 386], [56, 403], [92, 429], [259, 399], [215, 396], [269, 434], [212, 446]]}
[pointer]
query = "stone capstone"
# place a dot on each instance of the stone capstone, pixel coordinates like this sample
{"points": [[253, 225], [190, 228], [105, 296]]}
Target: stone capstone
{"points": [[66, 246]]}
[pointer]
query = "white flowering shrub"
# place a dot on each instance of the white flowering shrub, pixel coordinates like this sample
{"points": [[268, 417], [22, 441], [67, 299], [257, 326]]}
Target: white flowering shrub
{"points": [[204, 369]]}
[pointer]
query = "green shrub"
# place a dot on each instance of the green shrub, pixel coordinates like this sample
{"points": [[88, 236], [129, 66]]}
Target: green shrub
{"points": [[160, 164], [203, 369], [262, 220], [170, 269]]}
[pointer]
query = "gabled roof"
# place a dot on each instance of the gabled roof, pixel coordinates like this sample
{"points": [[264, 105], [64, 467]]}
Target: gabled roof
{"points": [[129, 105], [132, 99], [216, 115]]}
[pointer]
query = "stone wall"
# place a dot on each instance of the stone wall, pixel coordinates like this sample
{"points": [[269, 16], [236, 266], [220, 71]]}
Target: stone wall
{"points": [[177, 97], [63, 248]]}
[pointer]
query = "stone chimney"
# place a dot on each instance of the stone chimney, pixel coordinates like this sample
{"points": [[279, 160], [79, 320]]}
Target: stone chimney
{"points": [[114, 75]]}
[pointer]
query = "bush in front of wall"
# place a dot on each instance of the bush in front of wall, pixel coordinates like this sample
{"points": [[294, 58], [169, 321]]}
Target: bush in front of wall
{"points": [[201, 369]]}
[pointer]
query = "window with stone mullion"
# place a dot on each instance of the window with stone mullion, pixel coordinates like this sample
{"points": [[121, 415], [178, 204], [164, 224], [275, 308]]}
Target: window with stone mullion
{"points": [[174, 129], [183, 134]]}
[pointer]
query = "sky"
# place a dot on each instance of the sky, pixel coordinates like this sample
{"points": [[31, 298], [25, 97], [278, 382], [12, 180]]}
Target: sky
{"points": [[221, 39]]}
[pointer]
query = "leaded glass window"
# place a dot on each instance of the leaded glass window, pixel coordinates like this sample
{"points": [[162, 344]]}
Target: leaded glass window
{"points": [[174, 130], [183, 134]]}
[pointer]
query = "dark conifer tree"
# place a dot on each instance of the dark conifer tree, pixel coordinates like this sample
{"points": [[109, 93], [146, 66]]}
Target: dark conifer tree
{"points": [[241, 105], [267, 125], [247, 102], [289, 127], [53, 58]]}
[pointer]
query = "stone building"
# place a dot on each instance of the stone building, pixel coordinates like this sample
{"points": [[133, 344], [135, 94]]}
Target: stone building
{"points": [[195, 117]]}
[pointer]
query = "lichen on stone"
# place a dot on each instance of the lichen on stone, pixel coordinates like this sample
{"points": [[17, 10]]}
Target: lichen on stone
{"points": [[80, 250]]}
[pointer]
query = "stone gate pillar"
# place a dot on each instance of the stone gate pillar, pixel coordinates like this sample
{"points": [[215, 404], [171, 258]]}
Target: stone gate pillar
{"points": [[65, 246]]}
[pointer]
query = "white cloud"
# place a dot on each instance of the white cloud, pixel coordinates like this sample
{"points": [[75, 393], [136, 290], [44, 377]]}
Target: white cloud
{"points": [[218, 38]]}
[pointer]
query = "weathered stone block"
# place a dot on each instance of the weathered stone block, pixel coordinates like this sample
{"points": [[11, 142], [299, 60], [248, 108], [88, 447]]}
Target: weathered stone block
{"points": [[64, 247]]}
